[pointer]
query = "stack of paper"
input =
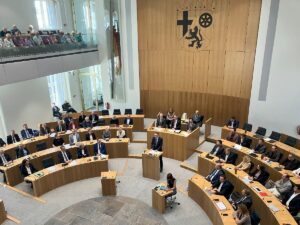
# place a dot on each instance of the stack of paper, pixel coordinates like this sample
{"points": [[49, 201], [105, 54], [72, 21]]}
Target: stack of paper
{"points": [[221, 206]]}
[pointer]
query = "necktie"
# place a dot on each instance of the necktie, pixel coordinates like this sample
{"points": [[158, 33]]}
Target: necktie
{"points": [[3, 159], [65, 156], [27, 134], [99, 147], [13, 138]]}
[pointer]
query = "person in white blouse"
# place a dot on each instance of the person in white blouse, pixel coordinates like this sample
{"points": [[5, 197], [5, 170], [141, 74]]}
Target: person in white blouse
{"points": [[297, 172], [121, 133]]}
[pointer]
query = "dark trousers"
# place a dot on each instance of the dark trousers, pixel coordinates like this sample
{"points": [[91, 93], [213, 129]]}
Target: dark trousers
{"points": [[161, 163]]}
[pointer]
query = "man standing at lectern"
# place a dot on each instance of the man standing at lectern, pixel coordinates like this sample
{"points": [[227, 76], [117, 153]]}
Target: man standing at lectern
{"points": [[156, 144]]}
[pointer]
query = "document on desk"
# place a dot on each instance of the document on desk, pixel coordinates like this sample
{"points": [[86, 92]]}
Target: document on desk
{"points": [[68, 132], [51, 169], [237, 147], [67, 146], [52, 135], [273, 208], [221, 206], [73, 163], [246, 180], [158, 128]]}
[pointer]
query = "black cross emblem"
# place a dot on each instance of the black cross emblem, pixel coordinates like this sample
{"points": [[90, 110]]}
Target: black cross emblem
{"points": [[185, 22]]}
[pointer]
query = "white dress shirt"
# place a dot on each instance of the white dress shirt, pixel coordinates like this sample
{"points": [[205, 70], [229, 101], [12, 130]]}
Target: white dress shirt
{"points": [[28, 169], [290, 199]]}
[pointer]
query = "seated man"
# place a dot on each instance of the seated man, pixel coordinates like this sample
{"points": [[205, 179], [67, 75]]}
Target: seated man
{"points": [[64, 155], [57, 141], [114, 120], [94, 118], [281, 187], [106, 134], [81, 118], [245, 141], [197, 119], [245, 199], [176, 123], [128, 120], [27, 168], [214, 176], [259, 174], [12, 138], [228, 157], [191, 126], [82, 151], [292, 201], [90, 136], [161, 121], [218, 149], [67, 120], [99, 148], [44, 129], [233, 136], [121, 133], [26, 133], [290, 163], [2, 143], [21, 151], [61, 127], [222, 187], [56, 111], [273, 155], [232, 123], [260, 147], [74, 137], [68, 108], [87, 123], [4, 158]]}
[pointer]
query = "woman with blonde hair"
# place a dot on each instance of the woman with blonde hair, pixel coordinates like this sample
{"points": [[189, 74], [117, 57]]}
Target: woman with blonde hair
{"points": [[242, 216], [245, 164]]}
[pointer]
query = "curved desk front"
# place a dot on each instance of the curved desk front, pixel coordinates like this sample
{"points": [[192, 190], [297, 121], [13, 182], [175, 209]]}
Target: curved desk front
{"points": [[262, 200], [48, 179]]}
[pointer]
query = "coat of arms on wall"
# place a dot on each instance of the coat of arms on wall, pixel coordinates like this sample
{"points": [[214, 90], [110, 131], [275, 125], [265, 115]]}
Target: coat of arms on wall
{"points": [[191, 30]]}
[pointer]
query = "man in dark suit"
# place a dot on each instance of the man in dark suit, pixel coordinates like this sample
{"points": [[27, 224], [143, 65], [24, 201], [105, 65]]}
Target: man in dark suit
{"points": [[44, 130], [191, 126], [26, 133], [94, 118], [197, 119], [67, 120], [232, 123], [61, 127], [222, 187], [176, 123], [114, 120], [12, 138], [4, 158], [56, 111], [128, 120], [290, 163], [2, 143], [292, 201], [57, 141], [273, 155], [27, 168], [233, 136], [245, 141], [260, 147], [161, 121], [214, 176], [218, 149], [156, 145], [90, 136], [81, 118], [99, 148], [229, 157], [82, 151], [87, 123], [68, 108], [245, 199], [22, 151], [64, 155], [259, 174]]}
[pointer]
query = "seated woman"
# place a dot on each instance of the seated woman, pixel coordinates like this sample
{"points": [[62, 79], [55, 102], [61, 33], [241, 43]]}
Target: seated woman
{"points": [[170, 117], [171, 184], [121, 133], [242, 216], [27, 168], [259, 174], [245, 164]]}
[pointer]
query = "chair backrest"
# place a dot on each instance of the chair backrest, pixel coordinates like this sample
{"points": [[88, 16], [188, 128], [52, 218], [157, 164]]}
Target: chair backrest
{"points": [[255, 219], [184, 117], [41, 146], [128, 111], [117, 112], [48, 162], [247, 127], [101, 122], [261, 131], [139, 111], [275, 136], [291, 141], [105, 112]]}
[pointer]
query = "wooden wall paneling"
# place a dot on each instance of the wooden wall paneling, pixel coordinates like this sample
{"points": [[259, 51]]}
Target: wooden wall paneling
{"points": [[199, 75], [246, 74], [143, 8]]}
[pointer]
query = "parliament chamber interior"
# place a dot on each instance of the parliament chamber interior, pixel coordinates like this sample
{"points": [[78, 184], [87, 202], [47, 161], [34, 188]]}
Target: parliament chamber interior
{"points": [[149, 112]]}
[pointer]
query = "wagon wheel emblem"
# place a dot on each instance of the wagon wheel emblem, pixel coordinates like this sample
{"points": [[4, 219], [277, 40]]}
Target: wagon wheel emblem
{"points": [[205, 20]]}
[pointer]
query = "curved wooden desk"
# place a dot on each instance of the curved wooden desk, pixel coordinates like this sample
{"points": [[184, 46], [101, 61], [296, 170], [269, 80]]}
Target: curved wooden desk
{"points": [[260, 203], [3, 213], [207, 202], [59, 175], [179, 146], [116, 148]]}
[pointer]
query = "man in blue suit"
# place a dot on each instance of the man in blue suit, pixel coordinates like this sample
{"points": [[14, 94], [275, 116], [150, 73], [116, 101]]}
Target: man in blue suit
{"points": [[156, 145], [214, 176], [99, 148], [26, 133], [21, 151], [232, 123]]}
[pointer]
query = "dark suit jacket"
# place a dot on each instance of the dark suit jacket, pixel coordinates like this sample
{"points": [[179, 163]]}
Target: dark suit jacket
{"points": [[294, 206], [10, 139], [198, 119], [274, 156], [81, 118], [246, 142], [157, 145], [261, 149], [214, 180], [79, 153], [247, 201], [262, 178], [61, 158], [235, 123], [161, 123], [130, 121], [102, 149], [290, 164], [2, 143], [63, 128], [20, 152], [67, 121], [114, 121], [87, 137], [96, 118], [86, 124], [231, 158], [191, 126], [7, 157], [58, 141], [44, 131], [178, 124], [226, 188], [24, 170], [220, 150], [55, 111], [23, 133]]}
